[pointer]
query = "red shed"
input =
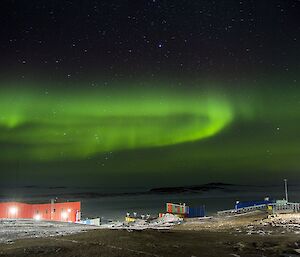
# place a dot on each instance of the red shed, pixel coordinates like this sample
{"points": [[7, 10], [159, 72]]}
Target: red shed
{"points": [[65, 211]]}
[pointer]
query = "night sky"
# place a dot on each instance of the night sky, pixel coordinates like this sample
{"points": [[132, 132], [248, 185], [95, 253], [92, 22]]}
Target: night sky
{"points": [[149, 93]]}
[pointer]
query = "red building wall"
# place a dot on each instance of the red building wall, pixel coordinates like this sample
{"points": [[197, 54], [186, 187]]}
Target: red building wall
{"points": [[67, 211], [14, 210]]}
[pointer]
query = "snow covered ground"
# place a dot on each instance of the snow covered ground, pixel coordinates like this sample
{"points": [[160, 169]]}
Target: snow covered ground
{"points": [[163, 223], [11, 230]]}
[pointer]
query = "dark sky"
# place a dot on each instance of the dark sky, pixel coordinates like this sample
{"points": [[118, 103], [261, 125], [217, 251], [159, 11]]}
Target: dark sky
{"points": [[141, 92], [149, 38]]}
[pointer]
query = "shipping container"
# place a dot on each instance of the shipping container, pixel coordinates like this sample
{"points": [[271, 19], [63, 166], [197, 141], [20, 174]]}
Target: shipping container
{"points": [[130, 219], [183, 210], [196, 212], [92, 222], [160, 215], [176, 208]]}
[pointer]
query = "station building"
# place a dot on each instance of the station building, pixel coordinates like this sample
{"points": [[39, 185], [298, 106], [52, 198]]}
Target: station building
{"points": [[62, 211]]}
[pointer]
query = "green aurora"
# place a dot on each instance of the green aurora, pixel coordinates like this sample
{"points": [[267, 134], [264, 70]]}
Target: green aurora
{"points": [[150, 130], [77, 125]]}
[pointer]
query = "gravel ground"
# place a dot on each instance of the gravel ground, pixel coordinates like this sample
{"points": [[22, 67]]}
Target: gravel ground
{"points": [[244, 236], [11, 230], [147, 243]]}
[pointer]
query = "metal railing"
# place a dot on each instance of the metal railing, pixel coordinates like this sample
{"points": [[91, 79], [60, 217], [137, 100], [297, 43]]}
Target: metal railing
{"points": [[288, 207], [243, 210]]}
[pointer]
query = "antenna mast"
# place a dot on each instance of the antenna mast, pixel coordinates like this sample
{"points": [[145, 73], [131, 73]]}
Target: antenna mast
{"points": [[286, 190]]}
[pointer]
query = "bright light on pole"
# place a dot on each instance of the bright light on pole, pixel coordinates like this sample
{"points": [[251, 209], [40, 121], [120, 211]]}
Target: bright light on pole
{"points": [[13, 210], [37, 217], [64, 215]]}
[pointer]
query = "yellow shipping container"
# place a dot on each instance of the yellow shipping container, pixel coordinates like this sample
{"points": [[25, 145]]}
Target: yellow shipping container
{"points": [[129, 219]]}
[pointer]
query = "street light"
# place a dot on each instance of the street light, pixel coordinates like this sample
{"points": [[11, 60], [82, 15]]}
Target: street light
{"points": [[13, 210], [64, 215], [37, 217]]}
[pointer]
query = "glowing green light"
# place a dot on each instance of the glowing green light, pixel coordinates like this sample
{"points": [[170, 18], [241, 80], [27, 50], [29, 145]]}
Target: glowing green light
{"points": [[81, 124]]}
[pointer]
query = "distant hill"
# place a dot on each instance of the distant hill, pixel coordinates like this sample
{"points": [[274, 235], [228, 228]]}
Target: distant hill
{"points": [[159, 190], [197, 188]]}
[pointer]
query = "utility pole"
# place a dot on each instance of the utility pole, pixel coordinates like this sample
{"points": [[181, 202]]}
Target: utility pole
{"points": [[286, 190]]}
